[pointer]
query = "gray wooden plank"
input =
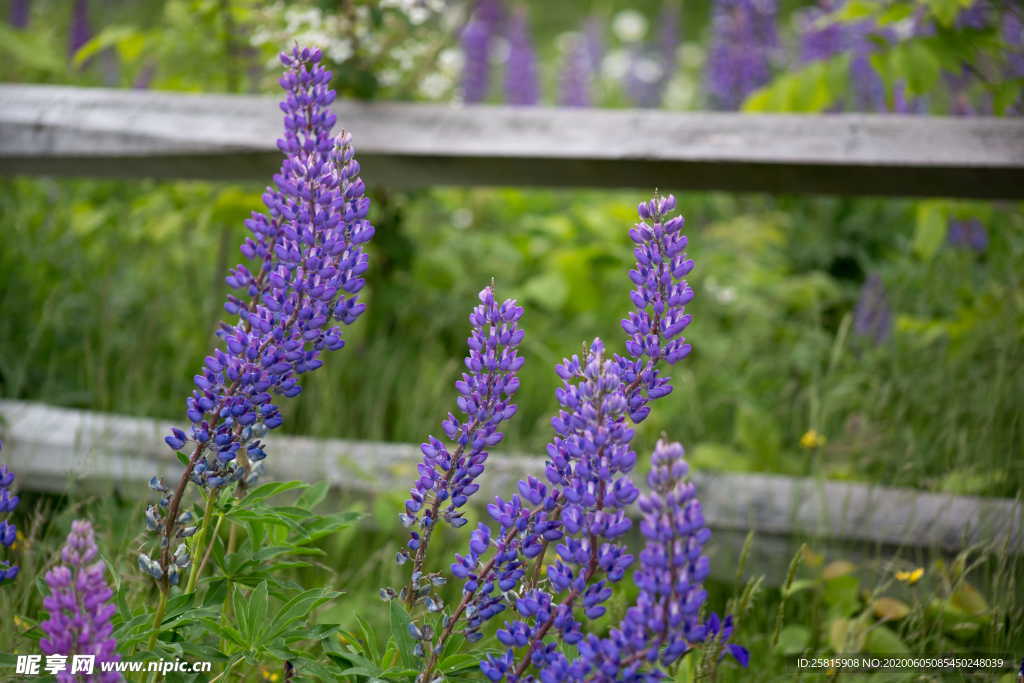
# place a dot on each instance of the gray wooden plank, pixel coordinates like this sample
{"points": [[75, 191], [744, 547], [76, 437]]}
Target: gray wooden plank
{"points": [[54, 448], [69, 131]]}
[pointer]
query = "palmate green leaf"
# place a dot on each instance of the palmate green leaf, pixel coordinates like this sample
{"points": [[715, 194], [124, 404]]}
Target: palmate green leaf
{"points": [[313, 496], [224, 631], [258, 604], [319, 526], [270, 489], [298, 608]]}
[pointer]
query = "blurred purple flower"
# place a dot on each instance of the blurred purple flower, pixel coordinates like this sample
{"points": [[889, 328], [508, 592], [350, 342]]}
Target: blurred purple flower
{"points": [[651, 66], [145, 76], [593, 38], [575, 79], [820, 40], [872, 317], [80, 32], [521, 85], [743, 46], [967, 234], [79, 607], [8, 532], [19, 13], [477, 42]]}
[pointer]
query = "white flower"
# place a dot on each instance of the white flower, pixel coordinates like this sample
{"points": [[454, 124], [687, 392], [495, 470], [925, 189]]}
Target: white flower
{"points": [[434, 86], [629, 26]]}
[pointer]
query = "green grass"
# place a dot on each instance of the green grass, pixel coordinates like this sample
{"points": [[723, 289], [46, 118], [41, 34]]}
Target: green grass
{"points": [[112, 289]]}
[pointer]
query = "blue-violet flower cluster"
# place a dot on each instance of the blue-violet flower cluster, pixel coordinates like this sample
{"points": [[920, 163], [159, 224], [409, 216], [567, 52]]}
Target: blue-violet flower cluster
{"points": [[448, 477], [79, 607], [309, 251], [8, 532]]}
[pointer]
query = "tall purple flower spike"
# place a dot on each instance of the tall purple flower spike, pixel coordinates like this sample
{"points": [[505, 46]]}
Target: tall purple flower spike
{"points": [[652, 67], [308, 249], [19, 13], [744, 43], [581, 505], [79, 606], [872, 317], [576, 76], [8, 532], [663, 623], [80, 32], [522, 87], [448, 478], [477, 42], [820, 41]]}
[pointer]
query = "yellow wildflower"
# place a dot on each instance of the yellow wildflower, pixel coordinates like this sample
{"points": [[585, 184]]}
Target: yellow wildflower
{"points": [[269, 675], [911, 577], [21, 623], [812, 439]]}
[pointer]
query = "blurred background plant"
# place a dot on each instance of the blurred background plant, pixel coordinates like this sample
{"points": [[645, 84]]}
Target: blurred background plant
{"points": [[860, 339]]}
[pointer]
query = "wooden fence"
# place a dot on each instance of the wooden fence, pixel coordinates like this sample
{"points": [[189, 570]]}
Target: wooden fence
{"points": [[54, 449], [69, 131]]}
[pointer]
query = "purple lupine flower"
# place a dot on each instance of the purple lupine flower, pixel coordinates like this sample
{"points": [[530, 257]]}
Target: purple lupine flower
{"points": [[477, 42], [19, 12], [660, 295], [521, 84], [309, 247], [651, 67], [820, 41], [967, 234], [872, 317], [575, 78], [447, 478], [8, 532], [145, 76], [744, 43], [79, 606], [593, 40], [1013, 36], [663, 623], [80, 32], [582, 502], [588, 469]]}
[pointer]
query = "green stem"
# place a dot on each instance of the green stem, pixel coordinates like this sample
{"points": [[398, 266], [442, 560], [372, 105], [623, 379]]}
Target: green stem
{"points": [[158, 619], [197, 547]]}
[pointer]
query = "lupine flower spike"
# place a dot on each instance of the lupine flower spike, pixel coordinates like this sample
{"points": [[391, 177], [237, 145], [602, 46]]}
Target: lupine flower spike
{"points": [[743, 46], [872, 318], [574, 81], [663, 623], [8, 532], [308, 252], [448, 477], [79, 607], [19, 13], [80, 31], [521, 84], [477, 43], [581, 506]]}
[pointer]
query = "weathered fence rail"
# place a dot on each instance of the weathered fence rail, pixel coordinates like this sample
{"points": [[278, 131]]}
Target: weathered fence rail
{"points": [[56, 130], [55, 448]]}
